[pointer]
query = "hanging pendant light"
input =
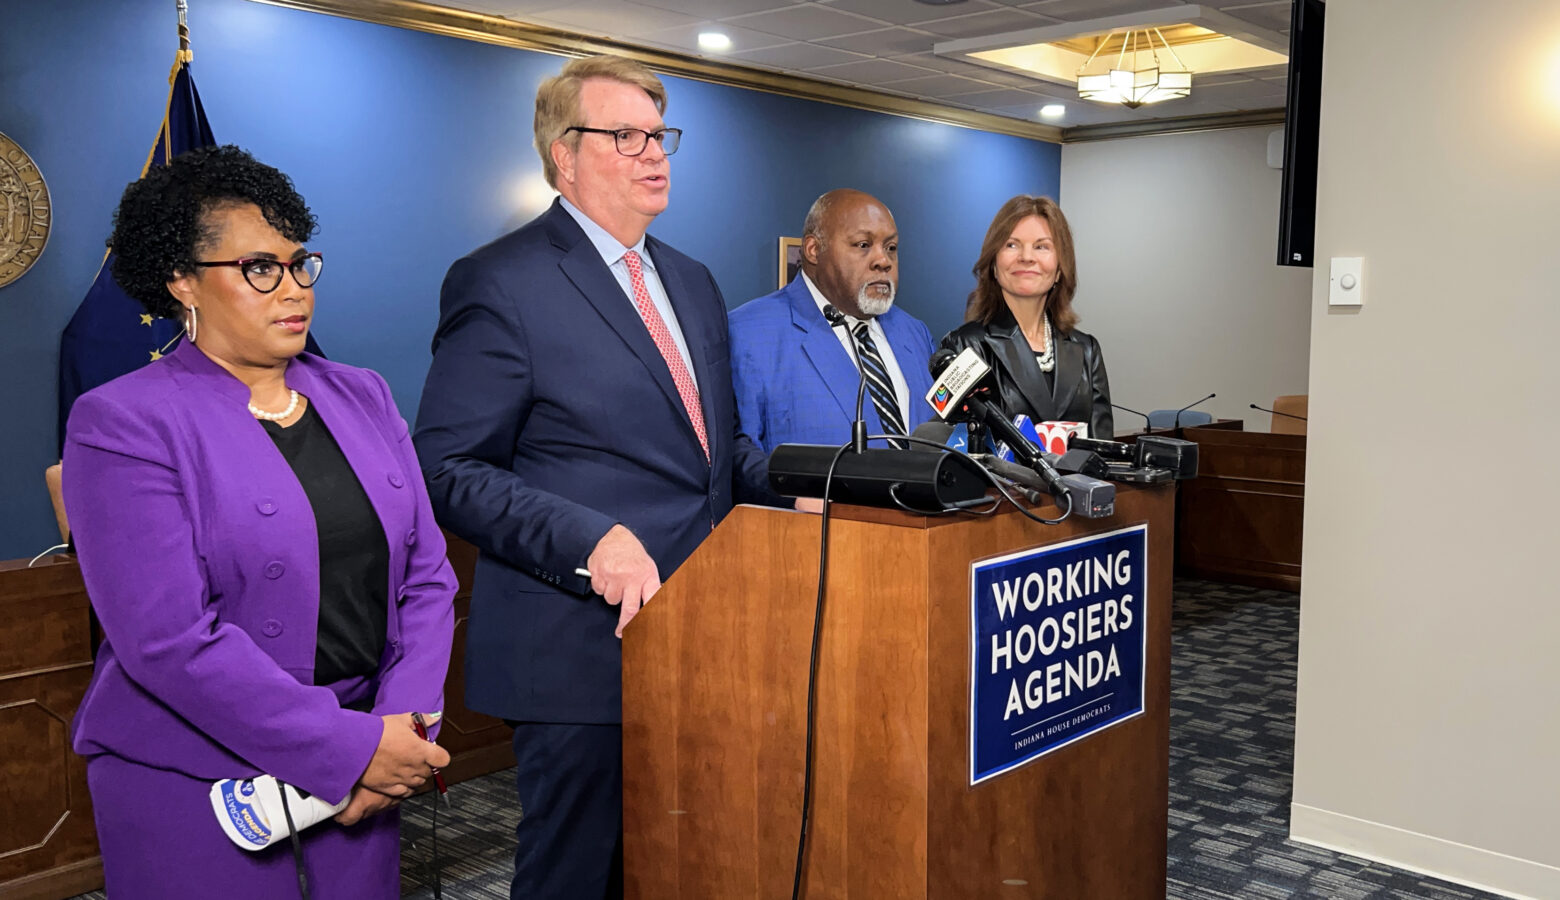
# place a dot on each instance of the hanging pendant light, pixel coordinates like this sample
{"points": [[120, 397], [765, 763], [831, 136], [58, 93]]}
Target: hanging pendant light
{"points": [[1128, 84]]}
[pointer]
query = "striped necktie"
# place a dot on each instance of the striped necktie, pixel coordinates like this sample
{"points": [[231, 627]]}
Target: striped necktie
{"points": [[879, 385]]}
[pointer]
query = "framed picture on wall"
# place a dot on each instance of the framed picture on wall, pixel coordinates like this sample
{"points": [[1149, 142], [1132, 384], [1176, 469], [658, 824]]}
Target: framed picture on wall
{"points": [[790, 259]]}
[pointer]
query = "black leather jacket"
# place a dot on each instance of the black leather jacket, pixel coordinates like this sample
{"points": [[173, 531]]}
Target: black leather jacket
{"points": [[1082, 389]]}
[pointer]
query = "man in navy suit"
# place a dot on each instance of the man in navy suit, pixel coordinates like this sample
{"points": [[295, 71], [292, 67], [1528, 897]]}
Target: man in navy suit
{"points": [[578, 417], [796, 373]]}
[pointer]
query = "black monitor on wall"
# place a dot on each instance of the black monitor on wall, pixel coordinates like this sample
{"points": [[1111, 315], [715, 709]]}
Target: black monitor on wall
{"points": [[1302, 115]]}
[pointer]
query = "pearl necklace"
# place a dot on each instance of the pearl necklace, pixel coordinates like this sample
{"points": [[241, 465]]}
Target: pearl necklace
{"points": [[1047, 359], [292, 405]]}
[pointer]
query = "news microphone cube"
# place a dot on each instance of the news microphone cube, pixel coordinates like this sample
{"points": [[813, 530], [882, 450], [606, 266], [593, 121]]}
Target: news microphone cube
{"points": [[1082, 462], [1091, 497], [1156, 452], [1057, 435]]}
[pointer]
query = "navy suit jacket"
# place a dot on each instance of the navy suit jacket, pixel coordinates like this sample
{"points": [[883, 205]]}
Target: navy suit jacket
{"points": [[549, 416], [796, 384]]}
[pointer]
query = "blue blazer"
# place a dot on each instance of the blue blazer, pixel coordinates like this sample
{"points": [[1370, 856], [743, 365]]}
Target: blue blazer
{"points": [[794, 381], [549, 416]]}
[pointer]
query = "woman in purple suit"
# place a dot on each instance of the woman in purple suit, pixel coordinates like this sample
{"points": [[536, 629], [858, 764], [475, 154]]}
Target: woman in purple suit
{"points": [[257, 542]]}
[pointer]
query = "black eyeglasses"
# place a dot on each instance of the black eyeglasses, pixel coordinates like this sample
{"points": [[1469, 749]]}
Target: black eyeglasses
{"points": [[265, 275], [633, 141]]}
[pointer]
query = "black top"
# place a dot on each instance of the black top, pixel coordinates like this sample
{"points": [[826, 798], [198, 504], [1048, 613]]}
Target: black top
{"points": [[1078, 390], [354, 557], [1050, 377]]}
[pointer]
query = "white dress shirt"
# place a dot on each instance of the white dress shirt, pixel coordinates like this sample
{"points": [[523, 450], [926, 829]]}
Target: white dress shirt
{"points": [[879, 339]]}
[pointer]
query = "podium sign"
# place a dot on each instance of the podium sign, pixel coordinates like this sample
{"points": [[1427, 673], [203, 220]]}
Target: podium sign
{"points": [[1058, 641]]}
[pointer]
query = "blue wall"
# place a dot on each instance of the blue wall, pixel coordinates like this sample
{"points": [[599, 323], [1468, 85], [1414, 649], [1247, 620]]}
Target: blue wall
{"points": [[413, 149]]}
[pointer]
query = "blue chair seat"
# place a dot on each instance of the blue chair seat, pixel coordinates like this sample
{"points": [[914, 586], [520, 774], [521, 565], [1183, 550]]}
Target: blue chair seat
{"points": [[1165, 418]]}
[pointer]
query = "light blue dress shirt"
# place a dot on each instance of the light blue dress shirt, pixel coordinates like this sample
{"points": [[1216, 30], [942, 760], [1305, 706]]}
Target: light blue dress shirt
{"points": [[612, 254]]}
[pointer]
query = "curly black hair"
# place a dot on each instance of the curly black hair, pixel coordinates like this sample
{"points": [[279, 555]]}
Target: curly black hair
{"points": [[163, 218]]}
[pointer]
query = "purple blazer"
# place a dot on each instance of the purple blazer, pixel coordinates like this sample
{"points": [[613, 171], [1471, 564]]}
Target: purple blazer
{"points": [[199, 552]]}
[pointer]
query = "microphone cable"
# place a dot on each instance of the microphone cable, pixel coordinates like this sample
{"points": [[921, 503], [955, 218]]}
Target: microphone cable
{"points": [[817, 629], [297, 846]]}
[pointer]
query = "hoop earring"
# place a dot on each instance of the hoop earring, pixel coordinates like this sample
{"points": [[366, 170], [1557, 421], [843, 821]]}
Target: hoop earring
{"points": [[191, 324]]}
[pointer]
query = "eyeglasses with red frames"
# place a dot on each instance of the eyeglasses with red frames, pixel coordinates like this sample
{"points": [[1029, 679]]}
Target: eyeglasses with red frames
{"points": [[265, 275]]}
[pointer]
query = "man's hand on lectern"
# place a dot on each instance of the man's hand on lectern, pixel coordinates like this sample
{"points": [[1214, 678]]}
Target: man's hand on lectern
{"points": [[623, 573]]}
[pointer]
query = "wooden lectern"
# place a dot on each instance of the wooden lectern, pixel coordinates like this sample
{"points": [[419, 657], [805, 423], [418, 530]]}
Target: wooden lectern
{"points": [[714, 717]]}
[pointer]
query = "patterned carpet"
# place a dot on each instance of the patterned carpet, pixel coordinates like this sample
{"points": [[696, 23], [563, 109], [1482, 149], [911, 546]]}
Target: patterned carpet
{"points": [[1231, 755], [1232, 738]]}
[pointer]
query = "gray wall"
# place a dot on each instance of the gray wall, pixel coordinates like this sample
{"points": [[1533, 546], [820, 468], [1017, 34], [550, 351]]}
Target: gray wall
{"points": [[1428, 730], [1176, 238]]}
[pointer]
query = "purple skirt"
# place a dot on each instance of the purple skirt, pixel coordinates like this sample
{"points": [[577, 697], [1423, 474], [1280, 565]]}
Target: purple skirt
{"points": [[161, 841]]}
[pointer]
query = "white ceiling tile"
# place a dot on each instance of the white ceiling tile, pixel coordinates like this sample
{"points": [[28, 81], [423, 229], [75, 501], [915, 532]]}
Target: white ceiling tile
{"points": [[805, 23], [715, 9], [872, 71], [903, 12], [1272, 15], [983, 23], [883, 42], [612, 17], [509, 8], [797, 56], [686, 38], [1191, 106], [938, 86], [1079, 10], [1077, 114], [1081, 113], [1003, 97], [1247, 94]]}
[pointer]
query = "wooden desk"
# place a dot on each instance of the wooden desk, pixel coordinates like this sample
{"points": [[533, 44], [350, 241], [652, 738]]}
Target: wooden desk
{"points": [[48, 846], [1240, 520]]}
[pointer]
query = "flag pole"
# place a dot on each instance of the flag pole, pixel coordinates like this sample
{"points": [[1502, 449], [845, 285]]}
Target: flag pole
{"points": [[184, 30]]}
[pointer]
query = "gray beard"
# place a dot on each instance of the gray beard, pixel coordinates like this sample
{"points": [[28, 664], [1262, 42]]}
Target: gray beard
{"points": [[873, 306]]}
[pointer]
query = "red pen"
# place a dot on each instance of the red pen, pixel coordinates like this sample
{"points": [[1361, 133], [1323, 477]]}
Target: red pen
{"points": [[438, 779]]}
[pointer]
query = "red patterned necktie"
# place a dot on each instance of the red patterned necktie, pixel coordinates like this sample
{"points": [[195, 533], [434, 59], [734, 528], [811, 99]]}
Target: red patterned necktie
{"points": [[664, 343]]}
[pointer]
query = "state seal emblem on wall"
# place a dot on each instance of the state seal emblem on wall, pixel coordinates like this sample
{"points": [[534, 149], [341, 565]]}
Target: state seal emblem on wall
{"points": [[25, 216]]}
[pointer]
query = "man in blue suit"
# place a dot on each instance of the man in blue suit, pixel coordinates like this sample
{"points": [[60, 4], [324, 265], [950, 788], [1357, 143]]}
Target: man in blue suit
{"points": [[795, 373], [578, 418]]}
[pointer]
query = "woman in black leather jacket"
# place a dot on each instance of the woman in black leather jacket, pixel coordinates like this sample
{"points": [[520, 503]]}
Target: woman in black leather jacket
{"points": [[1021, 321]]}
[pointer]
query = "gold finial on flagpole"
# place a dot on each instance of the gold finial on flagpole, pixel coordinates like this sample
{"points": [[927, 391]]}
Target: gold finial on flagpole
{"points": [[184, 31]]}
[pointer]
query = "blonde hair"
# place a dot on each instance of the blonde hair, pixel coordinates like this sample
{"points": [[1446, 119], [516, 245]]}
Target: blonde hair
{"points": [[558, 101]]}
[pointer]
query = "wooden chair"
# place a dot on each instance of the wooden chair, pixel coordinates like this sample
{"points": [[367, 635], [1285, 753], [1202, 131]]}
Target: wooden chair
{"points": [[1293, 405], [51, 476]]}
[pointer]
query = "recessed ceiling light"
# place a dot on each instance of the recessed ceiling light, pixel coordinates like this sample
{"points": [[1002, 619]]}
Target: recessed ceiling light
{"points": [[714, 41], [1052, 110]]}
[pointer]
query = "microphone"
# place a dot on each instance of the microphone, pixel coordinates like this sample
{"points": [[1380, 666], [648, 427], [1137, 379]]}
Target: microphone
{"points": [[1189, 406], [1148, 424], [1091, 498], [1149, 451], [858, 428], [958, 387], [1277, 413]]}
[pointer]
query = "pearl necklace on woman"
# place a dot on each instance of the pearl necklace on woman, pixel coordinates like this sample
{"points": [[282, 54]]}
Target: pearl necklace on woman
{"points": [[1047, 357], [292, 406]]}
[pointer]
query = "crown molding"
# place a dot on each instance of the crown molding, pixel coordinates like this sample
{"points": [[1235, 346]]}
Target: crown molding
{"points": [[443, 20], [1181, 125]]}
